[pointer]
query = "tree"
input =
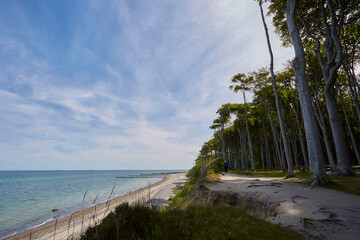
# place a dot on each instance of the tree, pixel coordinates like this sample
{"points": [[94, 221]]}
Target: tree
{"points": [[328, 48], [277, 100], [241, 82], [315, 153], [223, 118]]}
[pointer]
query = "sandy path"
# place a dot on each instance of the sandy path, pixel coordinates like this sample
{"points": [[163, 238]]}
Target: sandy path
{"points": [[74, 225], [315, 213]]}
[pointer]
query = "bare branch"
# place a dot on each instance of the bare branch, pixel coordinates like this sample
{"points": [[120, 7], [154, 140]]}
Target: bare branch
{"points": [[336, 41], [317, 50]]}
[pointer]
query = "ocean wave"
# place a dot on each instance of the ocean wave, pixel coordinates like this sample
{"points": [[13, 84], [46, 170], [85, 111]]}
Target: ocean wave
{"points": [[41, 224]]}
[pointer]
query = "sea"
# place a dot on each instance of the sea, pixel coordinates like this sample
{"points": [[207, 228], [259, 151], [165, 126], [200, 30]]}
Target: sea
{"points": [[27, 198]]}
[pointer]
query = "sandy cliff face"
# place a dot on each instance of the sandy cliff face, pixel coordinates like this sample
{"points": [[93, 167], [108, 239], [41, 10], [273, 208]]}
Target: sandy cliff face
{"points": [[314, 213], [257, 204]]}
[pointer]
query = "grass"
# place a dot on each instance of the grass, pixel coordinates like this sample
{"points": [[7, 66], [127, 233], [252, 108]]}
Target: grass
{"points": [[194, 222], [212, 176], [346, 184], [200, 173]]}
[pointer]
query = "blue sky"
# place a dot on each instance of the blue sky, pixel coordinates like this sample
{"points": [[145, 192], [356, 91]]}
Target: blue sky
{"points": [[120, 84]]}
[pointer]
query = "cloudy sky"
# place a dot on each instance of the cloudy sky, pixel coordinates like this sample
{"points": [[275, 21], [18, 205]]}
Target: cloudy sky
{"points": [[120, 84]]}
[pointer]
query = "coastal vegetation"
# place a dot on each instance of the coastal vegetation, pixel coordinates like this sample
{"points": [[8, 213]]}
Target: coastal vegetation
{"points": [[184, 219], [194, 222]]}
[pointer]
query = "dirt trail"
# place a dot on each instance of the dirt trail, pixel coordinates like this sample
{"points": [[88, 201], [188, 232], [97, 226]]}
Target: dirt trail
{"points": [[314, 213]]}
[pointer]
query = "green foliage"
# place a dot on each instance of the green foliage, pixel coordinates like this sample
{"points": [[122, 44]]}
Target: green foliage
{"points": [[199, 173], [127, 222], [194, 173], [241, 82], [182, 196], [217, 165], [195, 222]]}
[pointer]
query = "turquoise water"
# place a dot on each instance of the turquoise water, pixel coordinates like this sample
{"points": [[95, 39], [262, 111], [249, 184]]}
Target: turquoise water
{"points": [[28, 197]]}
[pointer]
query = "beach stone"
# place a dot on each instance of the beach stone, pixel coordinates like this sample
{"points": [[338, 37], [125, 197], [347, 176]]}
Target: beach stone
{"points": [[55, 210]]}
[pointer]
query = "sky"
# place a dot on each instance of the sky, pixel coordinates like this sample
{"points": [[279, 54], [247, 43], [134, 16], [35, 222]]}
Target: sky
{"points": [[116, 84]]}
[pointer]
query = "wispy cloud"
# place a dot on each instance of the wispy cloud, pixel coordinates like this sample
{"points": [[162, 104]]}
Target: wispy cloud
{"points": [[119, 85]]}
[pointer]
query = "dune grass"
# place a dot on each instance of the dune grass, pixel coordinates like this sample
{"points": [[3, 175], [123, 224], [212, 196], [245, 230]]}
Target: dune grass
{"points": [[200, 173], [194, 222], [182, 220]]}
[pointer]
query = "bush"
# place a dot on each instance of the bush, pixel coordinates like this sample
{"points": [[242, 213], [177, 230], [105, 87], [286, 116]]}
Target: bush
{"points": [[128, 222], [218, 165], [194, 222]]}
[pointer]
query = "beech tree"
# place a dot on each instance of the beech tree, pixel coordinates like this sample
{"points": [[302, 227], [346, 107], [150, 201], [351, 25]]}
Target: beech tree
{"points": [[315, 153], [322, 27], [277, 100], [242, 83], [295, 108]]}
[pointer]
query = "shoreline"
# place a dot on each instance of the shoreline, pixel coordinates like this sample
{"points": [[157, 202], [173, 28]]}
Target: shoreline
{"points": [[74, 224]]}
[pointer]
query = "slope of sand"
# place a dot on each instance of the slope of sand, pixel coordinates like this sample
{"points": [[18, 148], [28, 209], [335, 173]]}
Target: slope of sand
{"points": [[314, 213], [72, 226]]}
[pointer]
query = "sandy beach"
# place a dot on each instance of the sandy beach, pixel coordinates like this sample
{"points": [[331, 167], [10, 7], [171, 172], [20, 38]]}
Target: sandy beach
{"points": [[72, 226]]}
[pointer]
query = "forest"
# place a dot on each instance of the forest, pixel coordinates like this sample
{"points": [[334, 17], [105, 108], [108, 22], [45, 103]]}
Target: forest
{"points": [[306, 116]]}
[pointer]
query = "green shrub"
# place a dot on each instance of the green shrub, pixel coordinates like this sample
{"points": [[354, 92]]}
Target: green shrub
{"points": [[194, 222], [218, 165]]}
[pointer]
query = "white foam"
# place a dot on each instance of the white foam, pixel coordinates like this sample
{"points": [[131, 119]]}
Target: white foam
{"points": [[10, 235], [41, 224]]}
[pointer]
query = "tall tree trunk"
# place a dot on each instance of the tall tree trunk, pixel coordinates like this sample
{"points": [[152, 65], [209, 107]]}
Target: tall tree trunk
{"points": [[213, 146], [223, 147], [303, 145], [245, 163], [280, 114], [241, 146], [353, 140], [295, 149], [282, 155], [267, 153], [321, 123], [262, 155], [249, 136], [316, 157], [341, 148], [334, 54], [352, 88], [276, 144], [299, 124]]}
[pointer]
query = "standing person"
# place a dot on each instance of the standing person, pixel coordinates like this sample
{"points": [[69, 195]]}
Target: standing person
{"points": [[226, 166]]}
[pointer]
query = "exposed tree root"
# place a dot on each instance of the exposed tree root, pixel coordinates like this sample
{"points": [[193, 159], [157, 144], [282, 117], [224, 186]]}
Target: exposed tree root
{"points": [[290, 175], [331, 221], [273, 184], [343, 172], [314, 183]]}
